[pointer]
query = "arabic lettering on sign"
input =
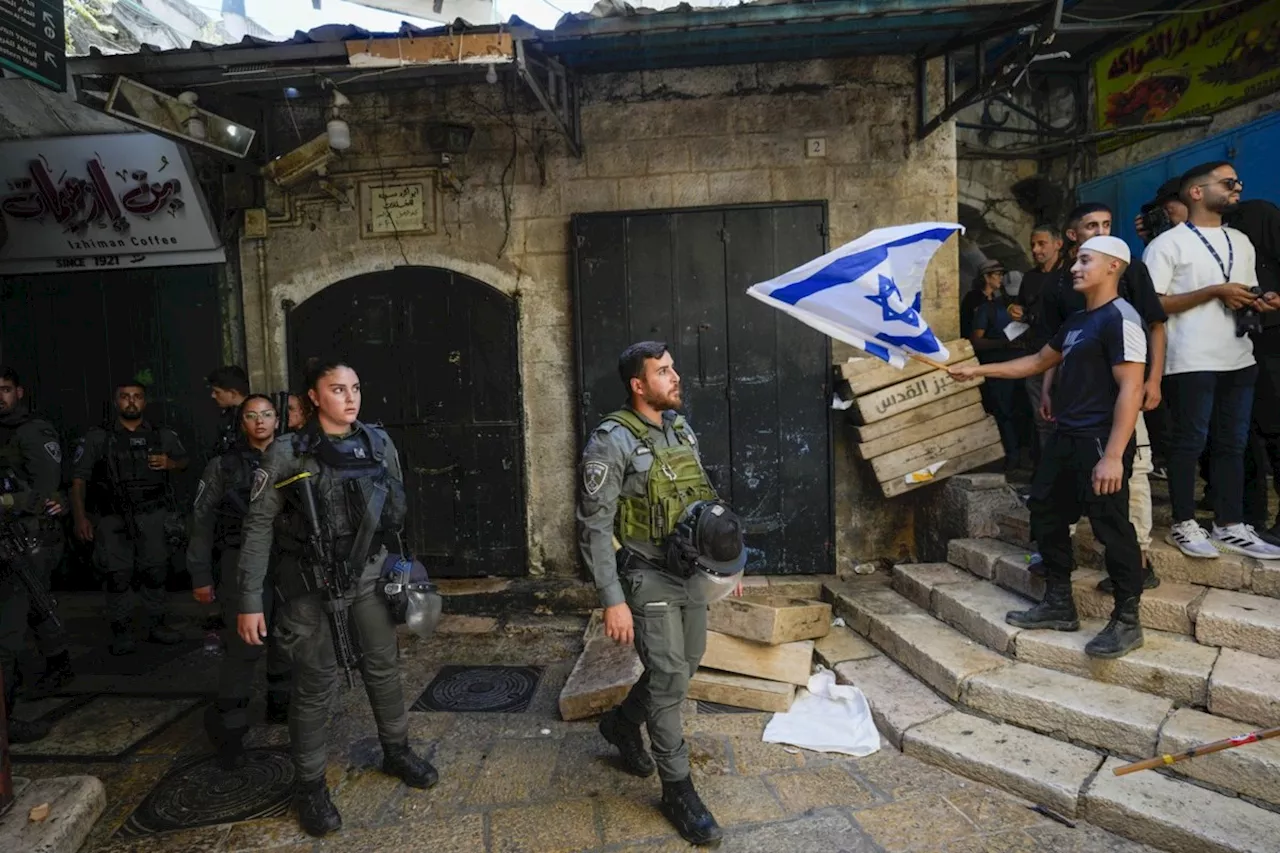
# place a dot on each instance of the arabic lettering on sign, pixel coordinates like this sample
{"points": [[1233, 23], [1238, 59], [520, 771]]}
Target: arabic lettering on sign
{"points": [[1170, 41], [395, 208], [77, 204], [925, 386]]}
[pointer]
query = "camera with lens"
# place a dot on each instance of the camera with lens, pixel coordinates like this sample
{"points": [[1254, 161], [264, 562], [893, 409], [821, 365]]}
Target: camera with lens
{"points": [[1155, 219], [1247, 319]]}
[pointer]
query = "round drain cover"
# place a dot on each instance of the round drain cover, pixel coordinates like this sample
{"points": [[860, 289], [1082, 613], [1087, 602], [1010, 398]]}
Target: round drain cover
{"points": [[502, 689]]}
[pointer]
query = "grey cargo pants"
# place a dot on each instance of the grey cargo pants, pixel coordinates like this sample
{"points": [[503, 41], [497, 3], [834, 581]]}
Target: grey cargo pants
{"points": [[132, 569], [236, 671], [671, 636], [302, 630]]}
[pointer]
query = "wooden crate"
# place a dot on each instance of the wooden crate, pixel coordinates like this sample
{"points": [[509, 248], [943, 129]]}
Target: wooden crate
{"points": [[911, 394], [869, 373]]}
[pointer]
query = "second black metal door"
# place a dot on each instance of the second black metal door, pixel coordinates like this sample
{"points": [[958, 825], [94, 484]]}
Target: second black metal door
{"points": [[755, 381]]}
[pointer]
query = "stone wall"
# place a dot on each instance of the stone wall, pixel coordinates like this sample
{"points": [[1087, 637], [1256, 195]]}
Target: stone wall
{"points": [[719, 136]]}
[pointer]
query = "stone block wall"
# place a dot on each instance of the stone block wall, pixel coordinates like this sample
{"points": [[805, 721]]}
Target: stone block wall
{"points": [[685, 138]]}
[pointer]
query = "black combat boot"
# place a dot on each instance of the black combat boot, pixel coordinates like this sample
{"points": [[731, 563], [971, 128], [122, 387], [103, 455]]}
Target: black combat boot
{"points": [[625, 735], [57, 675], [415, 771], [317, 814], [683, 807], [228, 743], [1056, 611], [161, 633], [1122, 635], [122, 639], [24, 731], [277, 708], [1149, 581]]}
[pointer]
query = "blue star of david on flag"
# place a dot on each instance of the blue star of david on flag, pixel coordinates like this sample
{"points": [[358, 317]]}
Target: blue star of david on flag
{"points": [[867, 293]]}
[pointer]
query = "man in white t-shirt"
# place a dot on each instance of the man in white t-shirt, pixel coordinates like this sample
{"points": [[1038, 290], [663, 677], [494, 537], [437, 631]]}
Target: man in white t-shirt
{"points": [[1204, 273]]}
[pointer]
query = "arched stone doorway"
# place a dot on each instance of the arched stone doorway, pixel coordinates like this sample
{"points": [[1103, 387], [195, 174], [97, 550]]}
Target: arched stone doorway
{"points": [[437, 353]]}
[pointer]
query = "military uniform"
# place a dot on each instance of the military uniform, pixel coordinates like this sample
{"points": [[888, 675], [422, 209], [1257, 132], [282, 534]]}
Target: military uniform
{"points": [[222, 501], [128, 502], [32, 460], [360, 496], [637, 478]]}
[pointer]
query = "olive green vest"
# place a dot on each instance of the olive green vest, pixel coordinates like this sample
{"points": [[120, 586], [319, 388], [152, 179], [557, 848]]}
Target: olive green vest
{"points": [[675, 481]]}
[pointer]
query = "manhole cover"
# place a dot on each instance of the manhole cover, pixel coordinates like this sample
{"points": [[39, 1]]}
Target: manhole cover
{"points": [[201, 793], [498, 689]]}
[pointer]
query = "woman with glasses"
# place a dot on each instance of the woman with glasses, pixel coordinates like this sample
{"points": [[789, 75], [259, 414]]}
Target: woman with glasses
{"points": [[222, 499]]}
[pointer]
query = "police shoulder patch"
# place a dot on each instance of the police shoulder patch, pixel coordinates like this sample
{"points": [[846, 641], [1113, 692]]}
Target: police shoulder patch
{"points": [[54, 450], [260, 481], [594, 476], [75, 457]]}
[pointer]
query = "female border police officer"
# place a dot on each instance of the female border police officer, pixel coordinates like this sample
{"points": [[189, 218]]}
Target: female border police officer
{"points": [[355, 470]]}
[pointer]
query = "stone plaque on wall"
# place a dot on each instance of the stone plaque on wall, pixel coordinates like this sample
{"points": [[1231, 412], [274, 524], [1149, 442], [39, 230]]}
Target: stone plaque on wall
{"points": [[398, 206]]}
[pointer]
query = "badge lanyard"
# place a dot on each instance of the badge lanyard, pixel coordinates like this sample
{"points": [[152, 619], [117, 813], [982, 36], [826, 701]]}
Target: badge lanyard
{"points": [[1231, 252]]}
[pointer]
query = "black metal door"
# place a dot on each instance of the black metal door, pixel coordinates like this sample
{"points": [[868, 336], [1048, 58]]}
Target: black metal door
{"points": [[72, 336], [436, 352], [755, 381]]}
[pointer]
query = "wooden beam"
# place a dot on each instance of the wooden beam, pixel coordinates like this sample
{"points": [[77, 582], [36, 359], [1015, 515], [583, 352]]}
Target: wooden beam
{"points": [[956, 465], [924, 414], [920, 432], [869, 374], [741, 691], [912, 394], [790, 663], [770, 619]]}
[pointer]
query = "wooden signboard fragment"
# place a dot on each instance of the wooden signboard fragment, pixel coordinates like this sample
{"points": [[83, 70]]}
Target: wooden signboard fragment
{"points": [[865, 375], [741, 691], [915, 417], [788, 662], [930, 429], [922, 454], [602, 676], [956, 465], [912, 394], [770, 619]]}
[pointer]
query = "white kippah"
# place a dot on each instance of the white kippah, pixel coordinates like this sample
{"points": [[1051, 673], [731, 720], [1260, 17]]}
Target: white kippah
{"points": [[1113, 246]]}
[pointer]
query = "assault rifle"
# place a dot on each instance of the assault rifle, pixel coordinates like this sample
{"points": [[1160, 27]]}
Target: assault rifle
{"points": [[17, 550], [327, 574]]}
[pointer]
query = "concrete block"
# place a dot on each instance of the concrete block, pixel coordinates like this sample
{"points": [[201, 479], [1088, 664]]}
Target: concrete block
{"points": [[978, 609], [1015, 526], [645, 193], [1169, 607], [939, 655], [980, 556], [797, 586], [1265, 579], [842, 645], [1031, 766], [1252, 770], [898, 701], [740, 187], [590, 195], [75, 803], [857, 603], [1015, 573], [1169, 665], [1245, 687], [1177, 816], [720, 154], [916, 581], [691, 190], [1103, 715], [1237, 620], [1229, 571], [801, 184]]}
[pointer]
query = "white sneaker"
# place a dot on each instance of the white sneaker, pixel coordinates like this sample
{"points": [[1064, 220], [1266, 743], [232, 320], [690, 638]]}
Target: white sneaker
{"points": [[1190, 538], [1243, 539]]}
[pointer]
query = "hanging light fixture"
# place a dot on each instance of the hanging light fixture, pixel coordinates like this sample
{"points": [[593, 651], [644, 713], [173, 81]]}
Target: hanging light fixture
{"points": [[491, 76], [339, 130]]}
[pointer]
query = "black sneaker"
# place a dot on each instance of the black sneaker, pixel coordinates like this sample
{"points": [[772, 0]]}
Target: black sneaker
{"points": [[624, 735]]}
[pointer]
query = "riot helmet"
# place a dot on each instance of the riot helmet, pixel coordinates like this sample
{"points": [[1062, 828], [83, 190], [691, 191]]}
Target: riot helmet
{"points": [[712, 550], [410, 595]]}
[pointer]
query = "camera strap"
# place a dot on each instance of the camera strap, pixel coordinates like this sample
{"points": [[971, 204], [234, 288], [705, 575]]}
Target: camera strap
{"points": [[1231, 252]]}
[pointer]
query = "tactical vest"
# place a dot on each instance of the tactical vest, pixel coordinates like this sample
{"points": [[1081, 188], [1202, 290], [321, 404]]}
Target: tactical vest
{"points": [[675, 480], [11, 459], [122, 474], [237, 466], [352, 472]]}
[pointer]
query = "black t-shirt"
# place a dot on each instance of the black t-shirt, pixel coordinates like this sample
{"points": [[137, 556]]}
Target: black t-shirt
{"points": [[990, 319], [968, 305], [1092, 343], [1033, 296]]}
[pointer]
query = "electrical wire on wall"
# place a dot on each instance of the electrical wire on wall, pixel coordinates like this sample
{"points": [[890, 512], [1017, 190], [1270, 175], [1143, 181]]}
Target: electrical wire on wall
{"points": [[383, 176]]}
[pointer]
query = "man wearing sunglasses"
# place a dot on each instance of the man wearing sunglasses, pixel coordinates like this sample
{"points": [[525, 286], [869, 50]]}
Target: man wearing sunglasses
{"points": [[1205, 274]]}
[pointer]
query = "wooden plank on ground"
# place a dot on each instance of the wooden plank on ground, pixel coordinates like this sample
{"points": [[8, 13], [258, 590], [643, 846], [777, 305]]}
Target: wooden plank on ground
{"points": [[912, 394], [871, 374], [770, 619], [920, 432], [602, 676], [957, 465], [741, 691], [924, 414], [790, 663], [922, 454]]}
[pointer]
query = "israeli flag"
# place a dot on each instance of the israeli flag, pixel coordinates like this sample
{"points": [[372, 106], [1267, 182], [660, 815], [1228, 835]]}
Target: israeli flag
{"points": [[867, 293]]}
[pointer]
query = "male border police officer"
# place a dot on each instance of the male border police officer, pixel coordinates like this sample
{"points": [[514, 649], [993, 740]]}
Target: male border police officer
{"points": [[643, 486], [349, 462], [120, 477]]}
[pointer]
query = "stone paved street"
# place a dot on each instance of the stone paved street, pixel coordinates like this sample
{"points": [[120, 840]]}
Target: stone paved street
{"points": [[512, 783]]}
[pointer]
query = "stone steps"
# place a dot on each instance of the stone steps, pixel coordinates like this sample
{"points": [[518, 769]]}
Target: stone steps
{"points": [[1169, 812]]}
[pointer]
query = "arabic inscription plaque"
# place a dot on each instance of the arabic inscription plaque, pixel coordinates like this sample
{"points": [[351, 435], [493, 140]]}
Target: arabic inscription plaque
{"points": [[403, 207]]}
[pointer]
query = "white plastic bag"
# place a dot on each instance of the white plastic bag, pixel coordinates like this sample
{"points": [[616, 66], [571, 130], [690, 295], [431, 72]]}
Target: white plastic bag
{"points": [[828, 717]]}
